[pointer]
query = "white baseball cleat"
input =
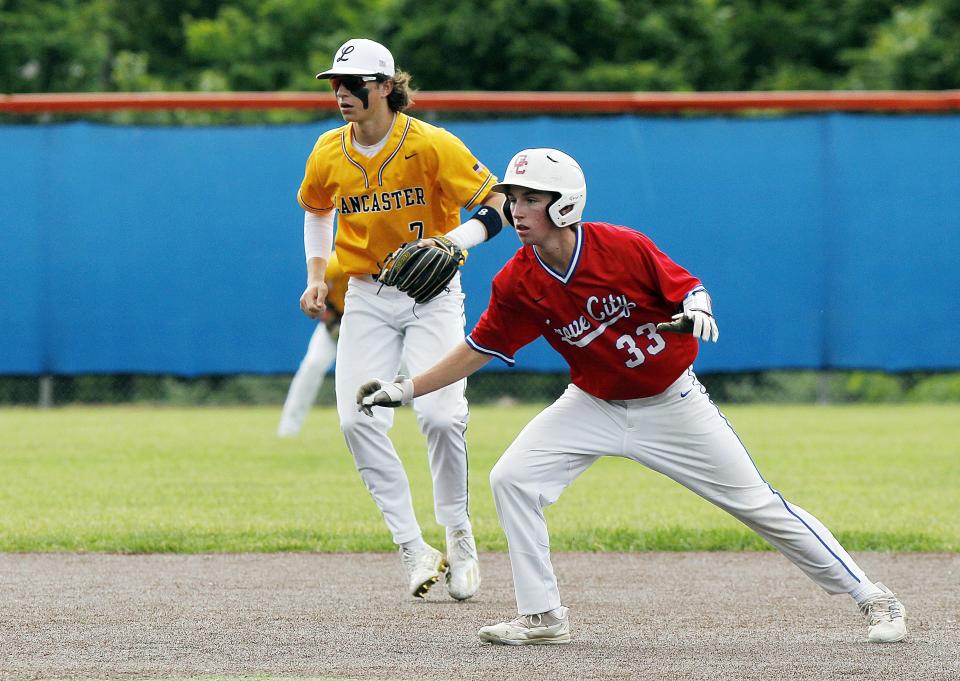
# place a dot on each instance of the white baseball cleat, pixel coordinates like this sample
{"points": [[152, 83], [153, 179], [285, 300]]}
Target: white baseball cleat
{"points": [[423, 569], [543, 628], [463, 577], [886, 617]]}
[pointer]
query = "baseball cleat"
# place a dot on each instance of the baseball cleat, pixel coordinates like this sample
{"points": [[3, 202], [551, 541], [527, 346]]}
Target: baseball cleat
{"points": [[543, 628], [463, 576], [423, 569], [886, 617]]}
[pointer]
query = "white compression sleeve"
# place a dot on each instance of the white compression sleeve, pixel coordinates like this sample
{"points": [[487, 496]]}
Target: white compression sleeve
{"points": [[469, 234], [318, 234]]}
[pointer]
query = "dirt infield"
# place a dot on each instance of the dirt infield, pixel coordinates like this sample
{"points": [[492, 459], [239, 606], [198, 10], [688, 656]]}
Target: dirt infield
{"points": [[634, 616]]}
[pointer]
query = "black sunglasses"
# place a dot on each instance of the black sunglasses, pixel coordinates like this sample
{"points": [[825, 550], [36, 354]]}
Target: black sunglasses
{"points": [[351, 82]]}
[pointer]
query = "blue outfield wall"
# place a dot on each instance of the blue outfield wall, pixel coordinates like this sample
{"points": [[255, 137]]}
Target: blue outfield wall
{"points": [[827, 241]]}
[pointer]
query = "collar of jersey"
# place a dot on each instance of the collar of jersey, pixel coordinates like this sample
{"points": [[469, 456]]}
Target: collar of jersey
{"points": [[366, 166], [565, 277]]}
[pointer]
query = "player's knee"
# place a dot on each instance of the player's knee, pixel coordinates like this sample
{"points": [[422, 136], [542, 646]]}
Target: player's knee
{"points": [[499, 477], [348, 426], [442, 423], [354, 423], [752, 503], [505, 475]]}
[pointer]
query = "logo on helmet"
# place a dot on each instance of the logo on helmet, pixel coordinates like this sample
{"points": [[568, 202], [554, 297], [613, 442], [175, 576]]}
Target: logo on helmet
{"points": [[520, 165], [347, 49]]}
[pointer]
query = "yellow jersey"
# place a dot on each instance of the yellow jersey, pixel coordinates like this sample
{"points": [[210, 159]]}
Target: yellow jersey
{"points": [[414, 187]]}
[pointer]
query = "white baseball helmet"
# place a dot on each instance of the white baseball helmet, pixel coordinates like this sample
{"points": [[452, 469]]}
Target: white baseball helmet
{"points": [[548, 170]]}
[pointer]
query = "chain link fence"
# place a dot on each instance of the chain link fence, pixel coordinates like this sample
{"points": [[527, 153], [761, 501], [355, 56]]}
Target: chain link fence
{"points": [[484, 387]]}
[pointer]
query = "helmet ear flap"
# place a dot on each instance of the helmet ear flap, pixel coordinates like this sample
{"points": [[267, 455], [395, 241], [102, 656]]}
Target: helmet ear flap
{"points": [[557, 213], [553, 212]]}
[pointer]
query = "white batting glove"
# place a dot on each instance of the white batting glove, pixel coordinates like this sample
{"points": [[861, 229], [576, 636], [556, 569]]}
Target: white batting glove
{"points": [[697, 307], [380, 393]]}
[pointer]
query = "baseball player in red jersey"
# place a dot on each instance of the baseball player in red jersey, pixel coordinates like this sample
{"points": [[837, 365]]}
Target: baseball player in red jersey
{"points": [[608, 300]]}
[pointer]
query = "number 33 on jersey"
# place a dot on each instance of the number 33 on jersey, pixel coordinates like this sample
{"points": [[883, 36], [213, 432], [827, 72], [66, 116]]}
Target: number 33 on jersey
{"points": [[601, 314]]}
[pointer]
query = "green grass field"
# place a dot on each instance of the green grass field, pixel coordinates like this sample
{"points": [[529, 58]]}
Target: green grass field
{"points": [[218, 480]]}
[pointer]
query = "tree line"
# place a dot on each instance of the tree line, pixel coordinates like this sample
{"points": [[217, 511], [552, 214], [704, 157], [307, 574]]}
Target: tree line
{"points": [[657, 45]]}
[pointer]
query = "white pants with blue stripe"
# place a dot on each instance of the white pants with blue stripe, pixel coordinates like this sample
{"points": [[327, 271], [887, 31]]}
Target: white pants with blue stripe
{"points": [[679, 433]]}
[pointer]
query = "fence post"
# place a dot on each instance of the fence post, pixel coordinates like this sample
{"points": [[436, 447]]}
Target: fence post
{"points": [[823, 387], [45, 400]]}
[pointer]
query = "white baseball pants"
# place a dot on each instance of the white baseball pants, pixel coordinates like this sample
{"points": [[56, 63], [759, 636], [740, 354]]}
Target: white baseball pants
{"points": [[382, 327], [679, 433], [321, 352]]}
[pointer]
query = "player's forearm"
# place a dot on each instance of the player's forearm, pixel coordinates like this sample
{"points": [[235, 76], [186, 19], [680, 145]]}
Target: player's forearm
{"points": [[316, 271], [458, 363], [495, 200], [318, 234], [482, 226]]}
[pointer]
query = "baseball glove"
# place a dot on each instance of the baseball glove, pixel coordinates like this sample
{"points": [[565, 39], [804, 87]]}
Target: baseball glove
{"points": [[422, 273]]}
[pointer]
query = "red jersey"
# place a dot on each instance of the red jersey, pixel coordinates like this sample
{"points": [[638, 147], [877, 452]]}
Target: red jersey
{"points": [[601, 314]]}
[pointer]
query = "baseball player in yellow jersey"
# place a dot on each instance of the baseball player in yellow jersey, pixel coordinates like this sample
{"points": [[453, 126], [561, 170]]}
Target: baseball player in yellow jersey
{"points": [[321, 352], [394, 179]]}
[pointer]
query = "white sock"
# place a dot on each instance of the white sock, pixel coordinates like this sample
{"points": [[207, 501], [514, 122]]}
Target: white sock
{"points": [[865, 591], [414, 545]]}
